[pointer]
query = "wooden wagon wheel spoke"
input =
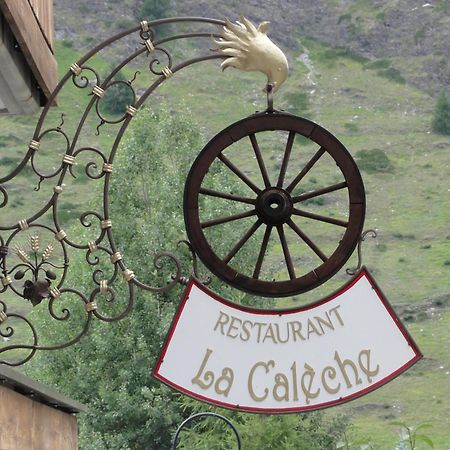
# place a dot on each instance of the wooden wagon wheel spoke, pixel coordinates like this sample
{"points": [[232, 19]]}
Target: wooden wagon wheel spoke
{"points": [[287, 255], [318, 192], [262, 252], [259, 158], [240, 174], [309, 215], [227, 196], [221, 220], [275, 207], [308, 241], [242, 241], [287, 154], [309, 165]]}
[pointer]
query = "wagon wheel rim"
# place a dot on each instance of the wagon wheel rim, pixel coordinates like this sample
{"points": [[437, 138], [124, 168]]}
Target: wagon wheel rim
{"points": [[274, 205]]}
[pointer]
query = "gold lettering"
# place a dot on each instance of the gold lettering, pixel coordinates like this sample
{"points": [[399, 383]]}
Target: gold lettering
{"points": [[269, 334], [327, 323], [296, 327], [335, 310], [245, 335], [208, 377], [277, 327], [294, 381], [312, 329], [366, 368], [332, 375], [281, 381], [233, 327], [269, 365], [307, 389], [259, 325], [342, 365], [223, 319], [227, 378]]}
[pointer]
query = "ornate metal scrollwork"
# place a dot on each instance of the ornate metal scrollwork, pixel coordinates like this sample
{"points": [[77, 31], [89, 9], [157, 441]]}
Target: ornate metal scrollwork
{"points": [[372, 234], [34, 256]]}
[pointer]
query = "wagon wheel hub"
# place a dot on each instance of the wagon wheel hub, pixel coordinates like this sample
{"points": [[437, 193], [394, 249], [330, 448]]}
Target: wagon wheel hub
{"points": [[274, 206]]}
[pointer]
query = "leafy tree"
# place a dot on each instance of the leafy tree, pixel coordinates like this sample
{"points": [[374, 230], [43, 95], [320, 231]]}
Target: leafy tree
{"points": [[155, 9], [117, 97], [110, 369], [441, 115]]}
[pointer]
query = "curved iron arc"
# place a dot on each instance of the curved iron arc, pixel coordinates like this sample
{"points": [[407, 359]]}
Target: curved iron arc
{"points": [[206, 414]]}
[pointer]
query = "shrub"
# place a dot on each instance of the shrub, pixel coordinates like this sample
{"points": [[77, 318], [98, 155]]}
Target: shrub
{"points": [[351, 127], [156, 9], [441, 115], [392, 74], [117, 97], [298, 103], [374, 160], [378, 64], [344, 18]]}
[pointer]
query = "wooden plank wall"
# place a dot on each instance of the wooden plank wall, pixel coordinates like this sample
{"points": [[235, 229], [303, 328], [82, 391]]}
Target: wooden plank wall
{"points": [[29, 425], [43, 10], [30, 37]]}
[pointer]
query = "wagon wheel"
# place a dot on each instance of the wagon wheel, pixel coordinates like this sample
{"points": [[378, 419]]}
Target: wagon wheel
{"points": [[274, 204]]}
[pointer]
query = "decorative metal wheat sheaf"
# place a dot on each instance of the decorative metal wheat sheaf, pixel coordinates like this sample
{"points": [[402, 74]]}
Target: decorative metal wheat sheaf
{"points": [[34, 257]]}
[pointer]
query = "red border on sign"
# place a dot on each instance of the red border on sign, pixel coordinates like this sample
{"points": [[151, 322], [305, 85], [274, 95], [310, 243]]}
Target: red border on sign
{"points": [[363, 273]]}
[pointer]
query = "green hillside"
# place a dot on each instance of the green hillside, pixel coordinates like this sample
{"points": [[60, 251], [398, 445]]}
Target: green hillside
{"points": [[374, 112]]}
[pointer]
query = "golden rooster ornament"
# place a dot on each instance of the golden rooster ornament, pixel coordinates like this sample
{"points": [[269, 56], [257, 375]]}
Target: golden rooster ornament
{"points": [[249, 48]]}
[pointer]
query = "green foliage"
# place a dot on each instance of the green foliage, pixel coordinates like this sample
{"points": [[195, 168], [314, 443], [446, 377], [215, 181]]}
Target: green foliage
{"points": [[410, 436], [378, 64], [443, 7], [109, 370], [351, 127], [374, 160], [124, 24], [418, 36], [67, 43], [117, 97], [155, 9], [392, 74], [312, 431], [344, 18], [298, 103], [330, 56], [441, 115]]}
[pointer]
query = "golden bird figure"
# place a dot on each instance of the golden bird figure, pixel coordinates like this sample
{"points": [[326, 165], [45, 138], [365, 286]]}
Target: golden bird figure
{"points": [[249, 48]]}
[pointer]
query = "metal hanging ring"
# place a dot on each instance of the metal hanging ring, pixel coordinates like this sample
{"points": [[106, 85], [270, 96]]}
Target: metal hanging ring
{"points": [[206, 414]]}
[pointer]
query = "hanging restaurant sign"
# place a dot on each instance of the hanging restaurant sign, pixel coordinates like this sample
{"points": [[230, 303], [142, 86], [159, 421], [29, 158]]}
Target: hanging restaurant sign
{"points": [[285, 361]]}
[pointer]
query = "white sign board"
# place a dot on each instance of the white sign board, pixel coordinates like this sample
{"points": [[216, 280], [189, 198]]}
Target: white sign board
{"points": [[285, 361]]}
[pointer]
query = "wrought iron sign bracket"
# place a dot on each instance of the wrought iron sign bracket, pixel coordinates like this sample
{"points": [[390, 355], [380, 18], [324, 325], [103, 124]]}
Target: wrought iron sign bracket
{"points": [[34, 257]]}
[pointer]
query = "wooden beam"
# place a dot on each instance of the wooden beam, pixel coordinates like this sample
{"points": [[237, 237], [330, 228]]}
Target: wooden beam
{"points": [[32, 42], [43, 10]]}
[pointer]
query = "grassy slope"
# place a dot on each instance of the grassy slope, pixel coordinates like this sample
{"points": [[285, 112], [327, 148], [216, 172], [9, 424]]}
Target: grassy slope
{"points": [[409, 206]]}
